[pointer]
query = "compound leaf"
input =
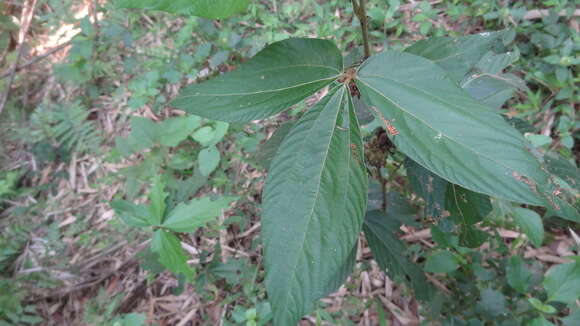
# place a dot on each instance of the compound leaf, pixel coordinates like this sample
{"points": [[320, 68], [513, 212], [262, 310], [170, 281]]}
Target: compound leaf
{"points": [[212, 9], [282, 74], [445, 130], [314, 202]]}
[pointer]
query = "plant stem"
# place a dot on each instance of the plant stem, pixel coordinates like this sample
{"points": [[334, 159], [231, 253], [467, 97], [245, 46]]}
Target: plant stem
{"points": [[360, 11]]}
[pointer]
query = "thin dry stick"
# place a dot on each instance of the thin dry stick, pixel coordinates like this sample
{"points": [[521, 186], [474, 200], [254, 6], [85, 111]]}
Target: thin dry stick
{"points": [[36, 59], [27, 14]]}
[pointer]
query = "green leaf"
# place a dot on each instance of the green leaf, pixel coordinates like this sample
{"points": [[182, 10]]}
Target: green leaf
{"points": [[492, 303], [563, 169], [173, 131], [314, 203], [171, 255], [197, 213], [492, 90], [441, 262], [268, 150], [204, 135], [143, 135], [531, 224], [131, 214], [518, 274], [456, 55], [380, 232], [562, 282], [573, 318], [157, 196], [445, 130], [428, 186], [282, 74], [467, 208], [488, 84], [545, 308], [212, 9], [539, 321], [146, 133], [209, 158]]}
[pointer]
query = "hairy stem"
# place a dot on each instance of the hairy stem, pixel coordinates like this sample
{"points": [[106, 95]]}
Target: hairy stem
{"points": [[360, 11]]}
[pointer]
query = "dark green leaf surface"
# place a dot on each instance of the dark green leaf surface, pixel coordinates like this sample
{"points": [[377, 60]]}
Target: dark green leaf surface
{"points": [[209, 159], [539, 321], [211, 9], [268, 150], [488, 84], [198, 212], [492, 90], [456, 55], [282, 74], [171, 255], [443, 129], [380, 232], [518, 274], [157, 196], [314, 203]]}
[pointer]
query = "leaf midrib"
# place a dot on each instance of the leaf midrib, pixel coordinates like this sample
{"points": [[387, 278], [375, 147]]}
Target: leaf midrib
{"points": [[197, 94]]}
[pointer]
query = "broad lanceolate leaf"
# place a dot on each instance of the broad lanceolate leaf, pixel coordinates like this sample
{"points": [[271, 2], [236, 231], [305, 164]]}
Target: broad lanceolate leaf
{"points": [[314, 203], [445, 130], [282, 74], [211, 9], [380, 232], [457, 56], [562, 282], [198, 212], [171, 255], [531, 224]]}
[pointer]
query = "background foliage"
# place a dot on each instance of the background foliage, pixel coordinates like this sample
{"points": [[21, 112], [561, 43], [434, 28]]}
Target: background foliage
{"points": [[93, 162]]}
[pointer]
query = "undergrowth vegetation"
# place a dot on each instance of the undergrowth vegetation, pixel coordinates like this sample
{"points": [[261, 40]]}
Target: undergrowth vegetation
{"points": [[129, 197]]}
